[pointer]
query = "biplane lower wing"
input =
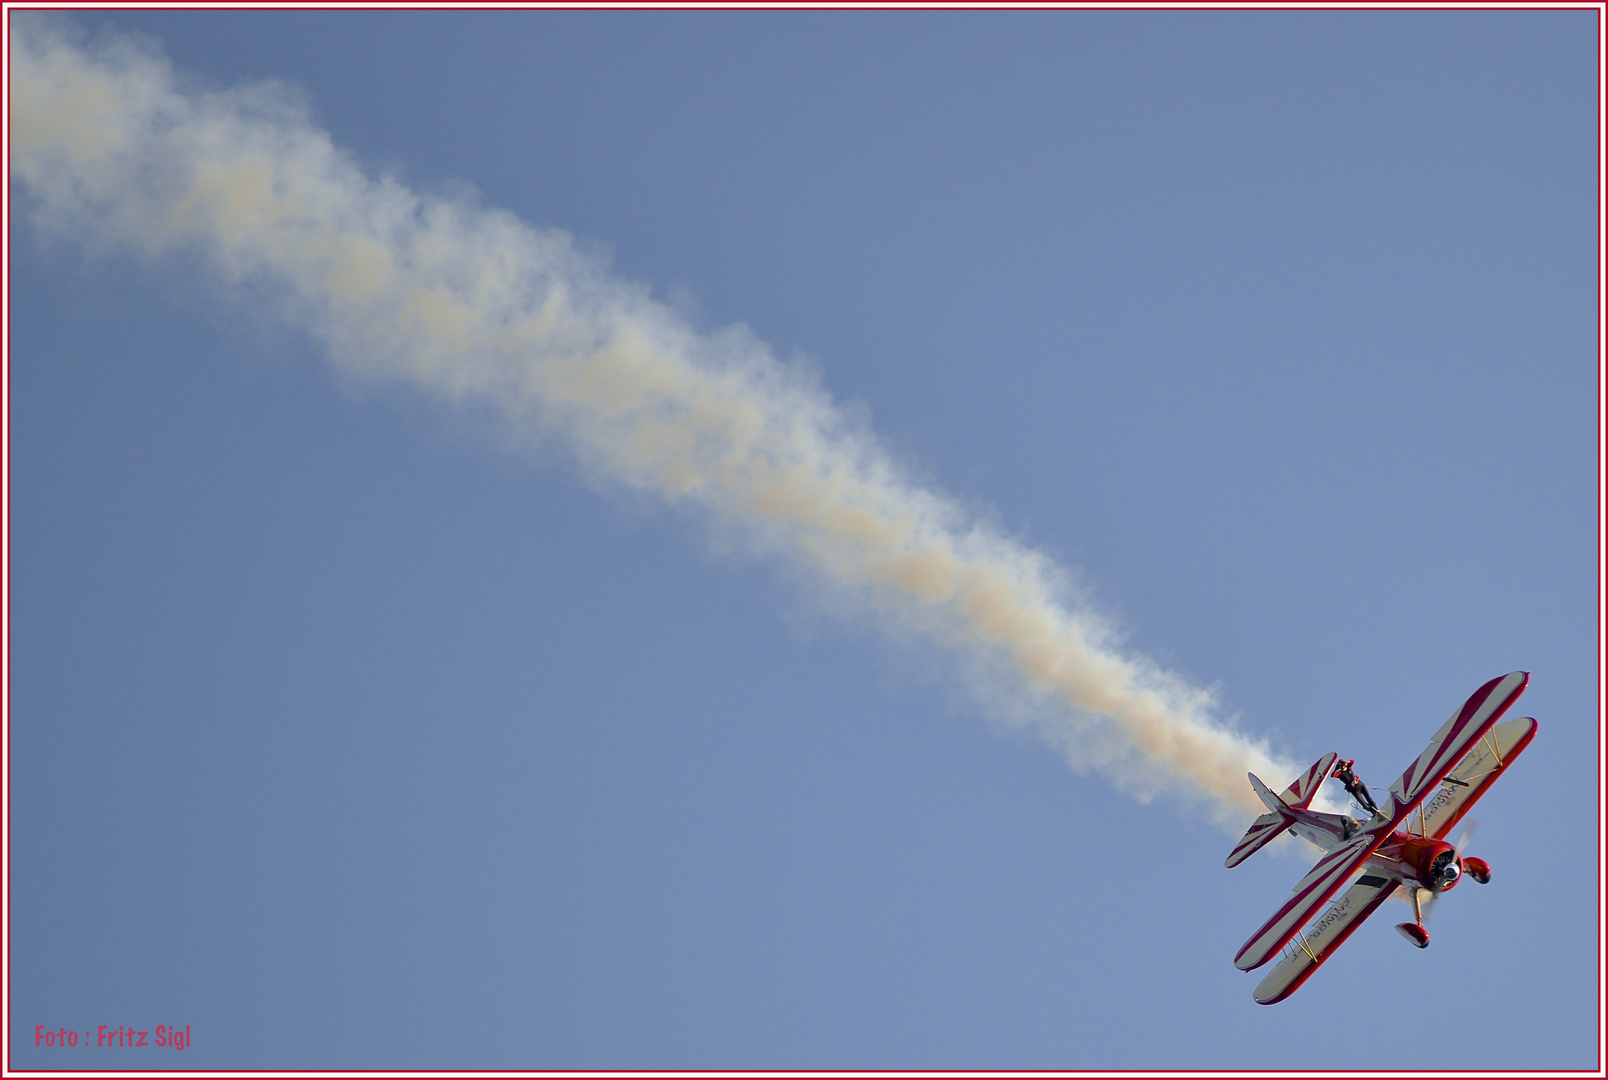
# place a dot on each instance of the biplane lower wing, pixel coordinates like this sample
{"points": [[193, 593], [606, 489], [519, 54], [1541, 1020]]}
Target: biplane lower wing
{"points": [[1311, 893], [1312, 948]]}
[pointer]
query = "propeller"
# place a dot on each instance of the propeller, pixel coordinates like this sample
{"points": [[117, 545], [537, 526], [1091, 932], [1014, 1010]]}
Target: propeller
{"points": [[1424, 900]]}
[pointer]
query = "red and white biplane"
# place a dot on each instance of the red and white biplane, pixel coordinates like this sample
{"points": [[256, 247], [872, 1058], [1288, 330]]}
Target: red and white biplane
{"points": [[1392, 849]]}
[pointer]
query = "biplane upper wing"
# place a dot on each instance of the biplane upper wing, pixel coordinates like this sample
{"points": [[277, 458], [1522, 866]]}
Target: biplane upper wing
{"points": [[1477, 771], [1325, 935], [1455, 739], [1311, 893]]}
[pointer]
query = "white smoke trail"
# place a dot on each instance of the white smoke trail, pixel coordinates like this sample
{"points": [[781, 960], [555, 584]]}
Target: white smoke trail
{"points": [[475, 307]]}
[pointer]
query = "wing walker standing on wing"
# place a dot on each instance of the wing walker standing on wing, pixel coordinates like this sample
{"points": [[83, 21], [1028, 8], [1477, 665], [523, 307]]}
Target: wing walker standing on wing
{"points": [[1390, 850], [1354, 787]]}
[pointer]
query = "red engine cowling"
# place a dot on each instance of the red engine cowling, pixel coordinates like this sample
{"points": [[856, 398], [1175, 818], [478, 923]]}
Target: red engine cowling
{"points": [[1433, 862], [1478, 869]]}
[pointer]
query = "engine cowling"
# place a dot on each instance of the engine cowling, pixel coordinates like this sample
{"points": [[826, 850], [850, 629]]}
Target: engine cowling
{"points": [[1433, 862]]}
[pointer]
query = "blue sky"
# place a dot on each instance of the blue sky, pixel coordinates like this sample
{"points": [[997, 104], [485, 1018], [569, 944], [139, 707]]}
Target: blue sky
{"points": [[353, 739]]}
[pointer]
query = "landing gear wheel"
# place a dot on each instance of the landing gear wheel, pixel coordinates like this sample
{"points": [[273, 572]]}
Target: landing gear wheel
{"points": [[1414, 933]]}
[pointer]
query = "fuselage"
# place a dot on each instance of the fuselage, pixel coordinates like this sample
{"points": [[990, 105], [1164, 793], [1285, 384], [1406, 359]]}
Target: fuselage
{"points": [[1419, 861]]}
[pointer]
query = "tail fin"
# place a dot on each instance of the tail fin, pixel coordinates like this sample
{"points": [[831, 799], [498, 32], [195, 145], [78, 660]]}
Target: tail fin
{"points": [[1298, 795]]}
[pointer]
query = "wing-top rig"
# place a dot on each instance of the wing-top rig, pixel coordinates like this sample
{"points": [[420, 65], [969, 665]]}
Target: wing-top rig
{"points": [[1393, 848]]}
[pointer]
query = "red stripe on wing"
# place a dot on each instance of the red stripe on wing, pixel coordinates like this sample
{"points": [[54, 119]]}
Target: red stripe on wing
{"points": [[1461, 731], [1306, 785], [1328, 949], [1258, 834]]}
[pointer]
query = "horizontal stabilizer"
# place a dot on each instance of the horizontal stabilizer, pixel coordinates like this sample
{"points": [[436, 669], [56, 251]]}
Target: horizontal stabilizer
{"points": [[1261, 831], [1305, 787]]}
